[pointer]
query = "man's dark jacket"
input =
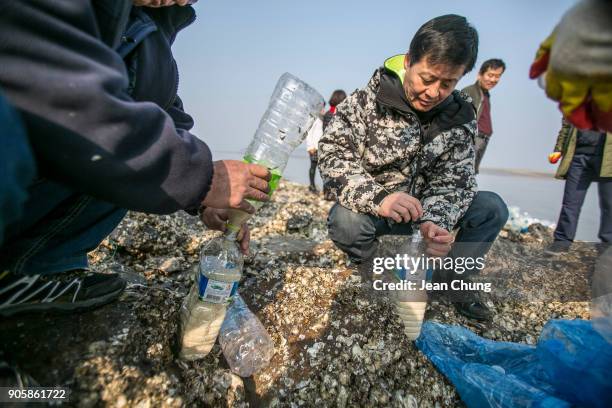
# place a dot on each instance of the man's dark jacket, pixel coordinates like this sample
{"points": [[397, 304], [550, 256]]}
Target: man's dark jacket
{"points": [[112, 129]]}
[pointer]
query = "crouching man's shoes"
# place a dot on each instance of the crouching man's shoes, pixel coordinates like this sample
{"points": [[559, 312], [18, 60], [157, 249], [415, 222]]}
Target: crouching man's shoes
{"points": [[473, 307], [66, 292], [558, 248]]}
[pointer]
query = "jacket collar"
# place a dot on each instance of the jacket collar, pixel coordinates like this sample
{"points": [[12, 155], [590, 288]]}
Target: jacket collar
{"points": [[453, 111]]}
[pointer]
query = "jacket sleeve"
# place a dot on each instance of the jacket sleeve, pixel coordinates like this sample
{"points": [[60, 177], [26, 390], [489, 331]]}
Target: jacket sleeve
{"points": [[340, 157], [85, 130], [473, 93], [562, 137], [450, 185]]}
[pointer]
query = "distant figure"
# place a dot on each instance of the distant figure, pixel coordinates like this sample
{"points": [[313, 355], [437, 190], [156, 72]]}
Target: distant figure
{"points": [[312, 141], [336, 98], [488, 76], [587, 157]]}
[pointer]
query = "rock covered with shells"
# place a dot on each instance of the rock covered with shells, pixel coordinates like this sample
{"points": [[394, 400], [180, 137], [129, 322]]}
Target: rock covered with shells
{"points": [[335, 343]]}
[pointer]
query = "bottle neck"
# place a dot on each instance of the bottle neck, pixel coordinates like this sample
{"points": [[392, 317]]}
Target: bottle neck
{"points": [[231, 233]]}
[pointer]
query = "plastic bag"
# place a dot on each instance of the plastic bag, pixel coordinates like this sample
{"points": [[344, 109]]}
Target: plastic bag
{"points": [[570, 365]]}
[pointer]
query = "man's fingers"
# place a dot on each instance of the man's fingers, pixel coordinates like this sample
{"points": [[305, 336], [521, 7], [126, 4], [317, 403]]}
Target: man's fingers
{"points": [[444, 239], [414, 202], [396, 216], [246, 207], [402, 211], [259, 184], [244, 241], [260, 171], [434, 249], [257, 195]]}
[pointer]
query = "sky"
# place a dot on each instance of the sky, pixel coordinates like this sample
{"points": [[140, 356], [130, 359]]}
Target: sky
{"points": [[232, 56]]}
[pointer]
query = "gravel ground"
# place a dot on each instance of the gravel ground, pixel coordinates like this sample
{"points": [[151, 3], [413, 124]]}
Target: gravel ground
{"points": [[335, 343]]}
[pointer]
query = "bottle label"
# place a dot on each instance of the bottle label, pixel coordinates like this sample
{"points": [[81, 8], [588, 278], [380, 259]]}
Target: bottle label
{"points": [[214, 291]]}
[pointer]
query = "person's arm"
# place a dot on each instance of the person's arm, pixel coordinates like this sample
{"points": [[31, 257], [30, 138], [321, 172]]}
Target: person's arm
{"points": [[451, 184], [340, 157], [85, 130], [473, 93]]}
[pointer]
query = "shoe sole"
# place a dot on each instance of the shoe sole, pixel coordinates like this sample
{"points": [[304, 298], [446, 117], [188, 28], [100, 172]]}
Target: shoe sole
{"points": [[61, 308]]}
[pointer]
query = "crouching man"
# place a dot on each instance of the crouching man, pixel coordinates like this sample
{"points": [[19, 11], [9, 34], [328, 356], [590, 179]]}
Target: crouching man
{"points": [[399, 154]]}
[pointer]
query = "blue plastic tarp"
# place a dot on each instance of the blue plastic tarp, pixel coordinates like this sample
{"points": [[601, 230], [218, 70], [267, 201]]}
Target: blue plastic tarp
{"points": [[570, 365]]}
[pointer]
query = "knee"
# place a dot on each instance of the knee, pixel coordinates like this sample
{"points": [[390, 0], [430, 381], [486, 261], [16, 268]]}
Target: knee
{"points": [[346, 226], [493, 206]]}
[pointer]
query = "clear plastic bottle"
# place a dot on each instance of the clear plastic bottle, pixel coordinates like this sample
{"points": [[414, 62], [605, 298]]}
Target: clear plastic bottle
{"points": [[246, 344], [204, 308], [293, 109], [410, 305]]}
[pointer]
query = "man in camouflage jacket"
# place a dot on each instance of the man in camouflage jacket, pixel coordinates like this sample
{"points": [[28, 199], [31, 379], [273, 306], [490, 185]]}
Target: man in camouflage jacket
{"points": [[399, 153]]}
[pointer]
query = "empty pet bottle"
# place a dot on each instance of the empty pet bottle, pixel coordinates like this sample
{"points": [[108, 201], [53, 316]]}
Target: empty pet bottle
{"points": [[293, 109], [410, 305], [246, 345], [204, 308]]}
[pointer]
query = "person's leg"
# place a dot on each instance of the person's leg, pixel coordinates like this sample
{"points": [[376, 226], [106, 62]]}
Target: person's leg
{"points": [[577, 182], [313, 171], [45, 252], [17, 166], [480, 225], [355, 233], [478, 229], [605, 204], [481, 140]]}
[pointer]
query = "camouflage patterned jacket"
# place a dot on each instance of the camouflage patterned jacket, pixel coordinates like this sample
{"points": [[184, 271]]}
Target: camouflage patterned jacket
{"points": [[377, 145]]}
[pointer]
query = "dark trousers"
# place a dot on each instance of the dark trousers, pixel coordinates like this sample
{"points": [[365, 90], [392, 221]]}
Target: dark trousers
{"points": [[584, 169], [355, 233], [45, 227], [313, 168], [480, 146]]}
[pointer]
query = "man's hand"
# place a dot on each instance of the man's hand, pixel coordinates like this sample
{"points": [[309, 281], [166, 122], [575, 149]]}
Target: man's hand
{"points": [[401, 207], [437, 240], [235, 181], [216, 219]]}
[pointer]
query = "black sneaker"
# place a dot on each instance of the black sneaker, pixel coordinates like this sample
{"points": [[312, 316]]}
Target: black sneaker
{"points": [[12, 377], [476, 310], [313, 189], [558, 248], [67, 292]]}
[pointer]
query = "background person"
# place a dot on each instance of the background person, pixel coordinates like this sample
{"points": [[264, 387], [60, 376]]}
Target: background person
{"points": [[488, 76], [587, 158]]}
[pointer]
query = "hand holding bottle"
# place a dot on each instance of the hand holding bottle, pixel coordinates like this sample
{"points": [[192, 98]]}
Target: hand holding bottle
{"points": [[216, 219], [438, 241], [234, 182]]}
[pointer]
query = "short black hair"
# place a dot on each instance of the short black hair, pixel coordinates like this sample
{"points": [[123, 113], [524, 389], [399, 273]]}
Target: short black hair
{"points": [[337, 96], [492, 63], [447, 39]]}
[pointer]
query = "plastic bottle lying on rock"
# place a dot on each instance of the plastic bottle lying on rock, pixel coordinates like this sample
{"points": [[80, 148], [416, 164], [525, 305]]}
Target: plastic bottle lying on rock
{"points": [[205, 306], [410, 305], [246, 344]]}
